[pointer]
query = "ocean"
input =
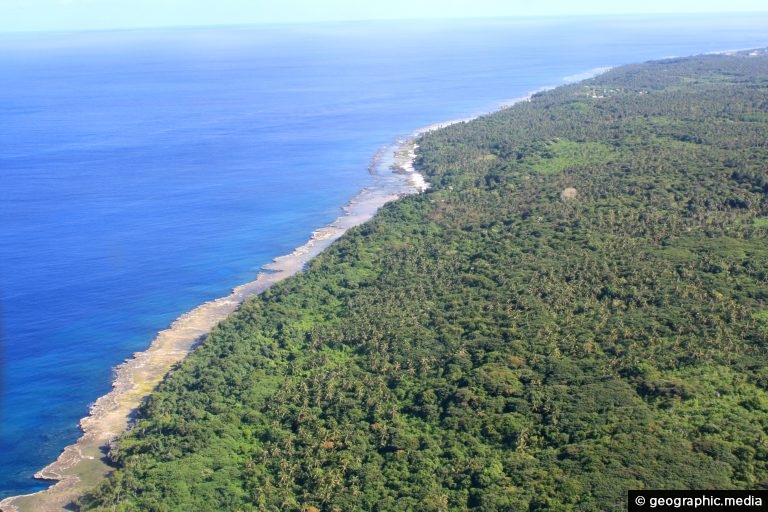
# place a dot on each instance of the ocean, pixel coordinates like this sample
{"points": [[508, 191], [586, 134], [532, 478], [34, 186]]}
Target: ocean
{"points": [[145, 172]]}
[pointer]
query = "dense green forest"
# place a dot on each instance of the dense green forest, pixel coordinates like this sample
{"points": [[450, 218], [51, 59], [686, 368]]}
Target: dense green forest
{"points": [[577, 307]]}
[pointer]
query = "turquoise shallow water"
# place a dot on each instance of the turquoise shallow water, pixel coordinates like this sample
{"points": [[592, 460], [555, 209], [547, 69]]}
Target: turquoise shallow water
{"points": [[145, 172]]}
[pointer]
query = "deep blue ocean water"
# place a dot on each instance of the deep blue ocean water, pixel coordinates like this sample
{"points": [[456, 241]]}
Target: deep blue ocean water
{"points": [[145, 172]]}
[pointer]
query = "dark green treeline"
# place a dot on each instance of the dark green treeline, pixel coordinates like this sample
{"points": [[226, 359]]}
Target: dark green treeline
{"points": [[577, 307]]}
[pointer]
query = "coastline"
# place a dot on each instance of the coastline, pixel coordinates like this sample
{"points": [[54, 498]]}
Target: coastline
{"points": [[80, 466]]}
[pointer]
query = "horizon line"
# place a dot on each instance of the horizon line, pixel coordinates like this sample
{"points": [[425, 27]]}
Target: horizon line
{"points": [[305, 23]]}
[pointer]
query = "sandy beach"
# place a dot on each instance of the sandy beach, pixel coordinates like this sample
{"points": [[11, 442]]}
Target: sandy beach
{"points": [[81, 466]]}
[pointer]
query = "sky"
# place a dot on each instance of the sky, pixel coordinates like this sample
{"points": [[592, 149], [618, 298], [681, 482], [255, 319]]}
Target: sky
{"points": [[55, 15]]}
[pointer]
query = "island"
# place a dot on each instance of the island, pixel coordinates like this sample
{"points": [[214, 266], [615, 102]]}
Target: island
{"points": [[576, 306]]}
